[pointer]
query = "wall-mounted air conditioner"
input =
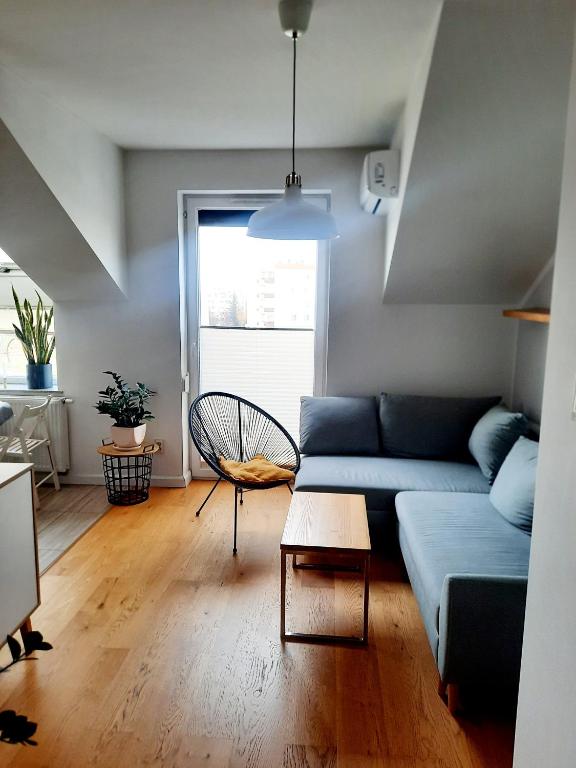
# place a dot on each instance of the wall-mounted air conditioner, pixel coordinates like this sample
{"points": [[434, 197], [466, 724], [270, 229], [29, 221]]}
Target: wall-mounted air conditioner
{"points": [[380, 180]]}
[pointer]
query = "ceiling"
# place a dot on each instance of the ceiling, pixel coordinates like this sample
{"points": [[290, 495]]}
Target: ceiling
{"points": [[212, 74]]}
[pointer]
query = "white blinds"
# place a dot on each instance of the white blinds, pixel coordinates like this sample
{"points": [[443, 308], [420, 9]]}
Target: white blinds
{"points": [[272, 368]]}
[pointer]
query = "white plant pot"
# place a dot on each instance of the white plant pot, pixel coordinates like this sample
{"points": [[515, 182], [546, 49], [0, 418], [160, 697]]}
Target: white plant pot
{"points": [[128, 437]]}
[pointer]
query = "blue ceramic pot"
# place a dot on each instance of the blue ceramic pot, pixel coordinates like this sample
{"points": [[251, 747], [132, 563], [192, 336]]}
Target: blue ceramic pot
{"points": [[39, 376]]}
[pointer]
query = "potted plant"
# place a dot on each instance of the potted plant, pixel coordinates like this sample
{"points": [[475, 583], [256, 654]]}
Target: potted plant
{"points": [[126, 407], [34, 335]]}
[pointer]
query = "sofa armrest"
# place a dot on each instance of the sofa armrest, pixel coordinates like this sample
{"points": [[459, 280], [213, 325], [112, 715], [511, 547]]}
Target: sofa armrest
{"points": [[480, 627]]}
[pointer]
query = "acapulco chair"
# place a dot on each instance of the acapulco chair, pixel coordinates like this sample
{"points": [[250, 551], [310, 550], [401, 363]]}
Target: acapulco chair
{"points": [[228, 426]]}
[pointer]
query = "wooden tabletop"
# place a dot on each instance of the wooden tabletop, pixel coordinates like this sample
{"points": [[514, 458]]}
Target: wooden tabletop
{"points": [[326, 522], [143, 450]]}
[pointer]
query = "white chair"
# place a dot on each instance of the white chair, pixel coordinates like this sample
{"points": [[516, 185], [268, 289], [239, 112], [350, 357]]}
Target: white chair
{"points": [[21, 445]]}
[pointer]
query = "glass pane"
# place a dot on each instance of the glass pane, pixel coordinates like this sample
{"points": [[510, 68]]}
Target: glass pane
{"points": [[246, 282], [257, 317]]}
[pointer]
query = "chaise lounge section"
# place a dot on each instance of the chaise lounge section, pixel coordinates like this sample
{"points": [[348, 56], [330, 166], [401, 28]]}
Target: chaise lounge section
{"points": [[468, 567]]}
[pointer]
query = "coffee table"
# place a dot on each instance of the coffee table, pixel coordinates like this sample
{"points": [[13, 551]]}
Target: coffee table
{"points": [[329, 524]]}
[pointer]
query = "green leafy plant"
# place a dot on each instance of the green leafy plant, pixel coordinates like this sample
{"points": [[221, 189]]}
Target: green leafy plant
{"points": [[126, 406], [34, 330]]}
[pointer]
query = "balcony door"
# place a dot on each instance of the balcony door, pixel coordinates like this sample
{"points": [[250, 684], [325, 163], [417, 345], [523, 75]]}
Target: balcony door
{"points": [[258, 310]]}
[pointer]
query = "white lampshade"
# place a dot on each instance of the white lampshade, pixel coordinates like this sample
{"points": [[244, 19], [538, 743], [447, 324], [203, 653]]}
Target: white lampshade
{"points": [[292, 218]]}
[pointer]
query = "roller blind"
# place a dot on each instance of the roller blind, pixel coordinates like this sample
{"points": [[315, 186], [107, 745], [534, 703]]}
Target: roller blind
{"points": [[224, 218]]}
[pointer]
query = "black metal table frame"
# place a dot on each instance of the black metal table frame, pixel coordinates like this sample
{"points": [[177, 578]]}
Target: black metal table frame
{"points": [[306, 637]]}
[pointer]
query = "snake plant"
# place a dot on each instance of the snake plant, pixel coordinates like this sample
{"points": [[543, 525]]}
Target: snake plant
{"points": [[34, 330]]}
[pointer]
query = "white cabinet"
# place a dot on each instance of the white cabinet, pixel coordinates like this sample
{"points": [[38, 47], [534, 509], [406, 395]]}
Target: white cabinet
{"points": [[19, 578]]}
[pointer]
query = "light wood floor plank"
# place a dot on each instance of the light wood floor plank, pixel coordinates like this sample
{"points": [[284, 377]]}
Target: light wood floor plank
{"points": [[167, 653], [64, 516]]}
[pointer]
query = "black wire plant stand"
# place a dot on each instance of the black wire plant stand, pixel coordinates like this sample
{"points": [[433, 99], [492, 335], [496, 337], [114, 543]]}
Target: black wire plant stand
{"points": [[228, 426], [127, 477]]}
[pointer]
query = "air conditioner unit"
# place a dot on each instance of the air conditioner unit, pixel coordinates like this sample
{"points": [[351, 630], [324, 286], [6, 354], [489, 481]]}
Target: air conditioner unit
{"points": [[380, 180]]}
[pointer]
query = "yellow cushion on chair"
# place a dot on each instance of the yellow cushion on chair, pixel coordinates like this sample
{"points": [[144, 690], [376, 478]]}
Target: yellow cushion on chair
{"points": [[257, 470]]}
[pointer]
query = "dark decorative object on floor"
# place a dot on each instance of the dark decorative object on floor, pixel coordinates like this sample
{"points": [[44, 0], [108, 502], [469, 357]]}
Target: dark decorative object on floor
{"points": [[34, 335], [32, 641], [16, 729]]}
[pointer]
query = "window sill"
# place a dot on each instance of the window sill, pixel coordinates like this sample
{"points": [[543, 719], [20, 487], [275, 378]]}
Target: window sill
{"points": [[22, 389]]}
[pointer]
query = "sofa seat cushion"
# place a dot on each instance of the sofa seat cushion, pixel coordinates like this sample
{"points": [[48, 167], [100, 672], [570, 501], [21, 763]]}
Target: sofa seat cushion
{"points": [[455, 533], [380, 478]]}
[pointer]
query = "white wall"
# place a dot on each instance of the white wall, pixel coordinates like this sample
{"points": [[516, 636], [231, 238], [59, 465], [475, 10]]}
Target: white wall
{"points": [[404, 138], [82, 167], [545, 734], [531, 346], [370, 347], [24, 287]]}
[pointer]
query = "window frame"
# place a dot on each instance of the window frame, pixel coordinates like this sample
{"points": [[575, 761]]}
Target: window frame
{"points": [[190, 202]]}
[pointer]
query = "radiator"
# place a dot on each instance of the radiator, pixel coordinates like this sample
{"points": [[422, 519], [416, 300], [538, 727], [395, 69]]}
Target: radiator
{"points": [[57, 421]]}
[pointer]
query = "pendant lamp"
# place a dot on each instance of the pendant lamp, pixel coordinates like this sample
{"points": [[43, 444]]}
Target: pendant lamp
{"points": [[292, 218]]}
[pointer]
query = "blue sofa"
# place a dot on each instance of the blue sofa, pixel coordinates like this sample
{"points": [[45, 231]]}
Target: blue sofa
{"points": [[467, 561]]}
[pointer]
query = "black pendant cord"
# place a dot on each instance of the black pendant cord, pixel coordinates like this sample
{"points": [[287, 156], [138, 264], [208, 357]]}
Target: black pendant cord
{"points": [[294, 38]]}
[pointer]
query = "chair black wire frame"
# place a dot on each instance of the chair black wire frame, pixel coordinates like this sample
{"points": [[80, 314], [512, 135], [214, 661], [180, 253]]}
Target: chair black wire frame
{"points": [[228, 426]]}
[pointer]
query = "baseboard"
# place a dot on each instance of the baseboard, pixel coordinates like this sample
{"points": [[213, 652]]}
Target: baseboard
{"points": [[162, 481], [72, 479], [158, 481]]}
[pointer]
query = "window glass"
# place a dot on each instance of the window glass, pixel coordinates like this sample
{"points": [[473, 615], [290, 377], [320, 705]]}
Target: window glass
{"points": [[257, 318], [245, 282], [12, 358]]}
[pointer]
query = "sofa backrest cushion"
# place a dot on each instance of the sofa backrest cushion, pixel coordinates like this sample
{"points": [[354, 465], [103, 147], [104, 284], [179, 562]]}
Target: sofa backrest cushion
{"points": [[422, 427], [513, 491], [493, 437], [339, 426]]}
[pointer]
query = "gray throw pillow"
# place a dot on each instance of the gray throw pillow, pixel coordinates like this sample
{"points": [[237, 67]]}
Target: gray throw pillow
{"points": [[493, 437], [513, 491], [339, 426], [422, 427]]}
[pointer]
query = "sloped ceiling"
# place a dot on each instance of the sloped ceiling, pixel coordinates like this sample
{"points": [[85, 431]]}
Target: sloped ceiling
{"points": [[82, 168], [479, 211], [37, 233]]}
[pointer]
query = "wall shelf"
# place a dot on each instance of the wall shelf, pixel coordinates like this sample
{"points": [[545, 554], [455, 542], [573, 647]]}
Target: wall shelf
{"points": [[532, 314]]}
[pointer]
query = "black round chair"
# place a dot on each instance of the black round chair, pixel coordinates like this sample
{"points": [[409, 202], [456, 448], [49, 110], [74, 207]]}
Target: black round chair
{"points": [[225, 425]]}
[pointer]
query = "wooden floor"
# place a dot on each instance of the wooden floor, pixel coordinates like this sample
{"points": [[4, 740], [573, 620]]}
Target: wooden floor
{"points": [[64, 516], [167, 653]]}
